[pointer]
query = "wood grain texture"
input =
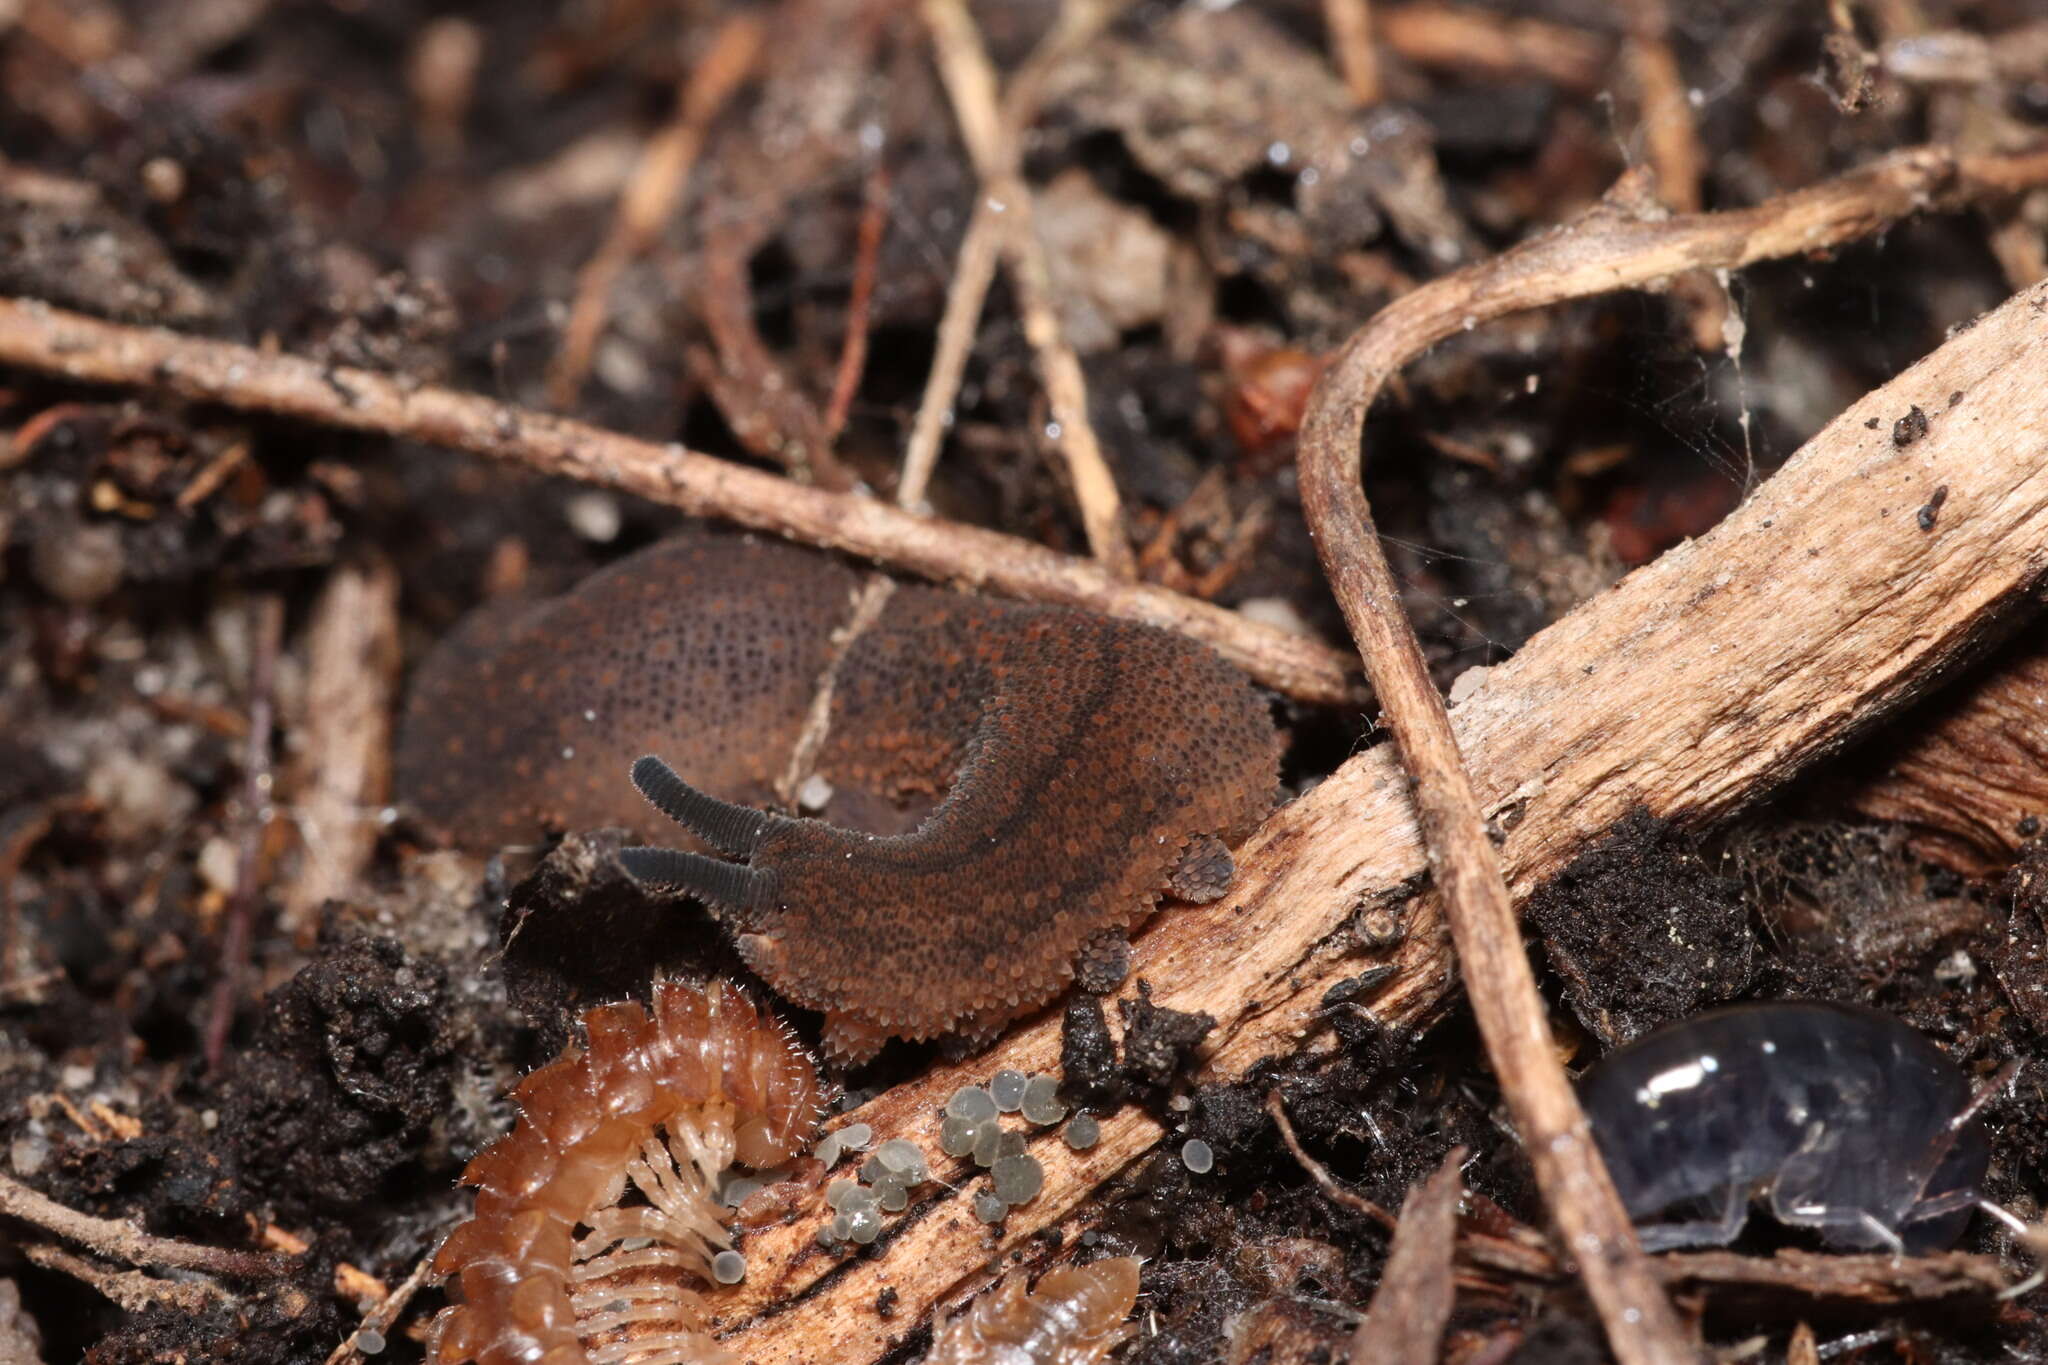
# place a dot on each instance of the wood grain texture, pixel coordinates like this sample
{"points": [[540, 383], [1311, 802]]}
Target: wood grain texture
{"points": [[1970, 771]]}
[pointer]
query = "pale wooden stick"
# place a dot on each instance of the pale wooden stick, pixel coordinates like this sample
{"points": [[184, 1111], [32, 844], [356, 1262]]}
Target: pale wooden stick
{"points": [[126, 1241], [973, 272], [342, 772], [1351, 34], [651, 197], [995, 147], [37, 336], [1464, 38]]}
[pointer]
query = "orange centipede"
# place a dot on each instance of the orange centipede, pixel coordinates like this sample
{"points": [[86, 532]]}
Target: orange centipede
{"points": [[551, 1268]]}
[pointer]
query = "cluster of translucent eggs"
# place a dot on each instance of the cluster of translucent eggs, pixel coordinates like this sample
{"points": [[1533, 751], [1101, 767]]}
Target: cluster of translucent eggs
{"points": [[973, 1128], [893, 1170]]}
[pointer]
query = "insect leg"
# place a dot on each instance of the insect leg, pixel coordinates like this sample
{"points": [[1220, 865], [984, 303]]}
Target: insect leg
{"points": [[1717, 1231]]}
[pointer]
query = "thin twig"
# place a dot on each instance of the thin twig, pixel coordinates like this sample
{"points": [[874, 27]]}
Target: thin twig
{"points": [[124, 1241], [1612, 249], [853, 355], [1671, 142], [341, 771], [380, 1318], [131, 1289], [816, 79], [651, 196], [1276, 1108], [1671, 148], [995, 145], [266, 631], [1876, 1280], [984, 125], [1465, 38], [1351, 33], [874, 595], [973, 272], [38, 337], [18, 835]]}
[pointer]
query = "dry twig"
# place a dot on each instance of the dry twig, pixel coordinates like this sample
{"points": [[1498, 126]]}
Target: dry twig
{"points": [[973, 272], [814, 83], [131, 1289], [124, 1241], [853, 356], [1350, 25], [1671, 142], [1463, 38], [1276, 1109], [995, 144], [651, 196], [1580, 1195], [266, 632], [1877, 1280], [1671, 149], [351, 693], [1406, 1319], [19, 834], [380, 1318], [39, 337], [985, 125]]}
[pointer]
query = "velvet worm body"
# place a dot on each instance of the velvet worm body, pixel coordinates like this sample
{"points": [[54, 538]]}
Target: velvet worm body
{"points": [[1009, 783]]}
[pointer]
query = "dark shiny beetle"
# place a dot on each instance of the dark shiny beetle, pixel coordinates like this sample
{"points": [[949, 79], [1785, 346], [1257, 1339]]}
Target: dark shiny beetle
{"points": [[1837, 1118]]}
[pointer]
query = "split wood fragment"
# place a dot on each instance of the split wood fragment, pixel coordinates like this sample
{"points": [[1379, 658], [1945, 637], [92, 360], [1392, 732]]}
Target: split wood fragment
{"points": [[1413, 1302], [1971, 774], [343, 777]]}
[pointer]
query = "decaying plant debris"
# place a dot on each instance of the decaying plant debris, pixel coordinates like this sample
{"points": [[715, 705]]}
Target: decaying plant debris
{"points": [[321, 325]]}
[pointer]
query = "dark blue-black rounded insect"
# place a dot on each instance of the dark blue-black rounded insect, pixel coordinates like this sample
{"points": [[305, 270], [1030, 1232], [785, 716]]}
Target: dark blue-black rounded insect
{"points": [[1834, 1117]]}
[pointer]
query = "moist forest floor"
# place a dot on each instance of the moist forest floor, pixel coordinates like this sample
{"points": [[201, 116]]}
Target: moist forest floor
{"points": [[205, 1027]]}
